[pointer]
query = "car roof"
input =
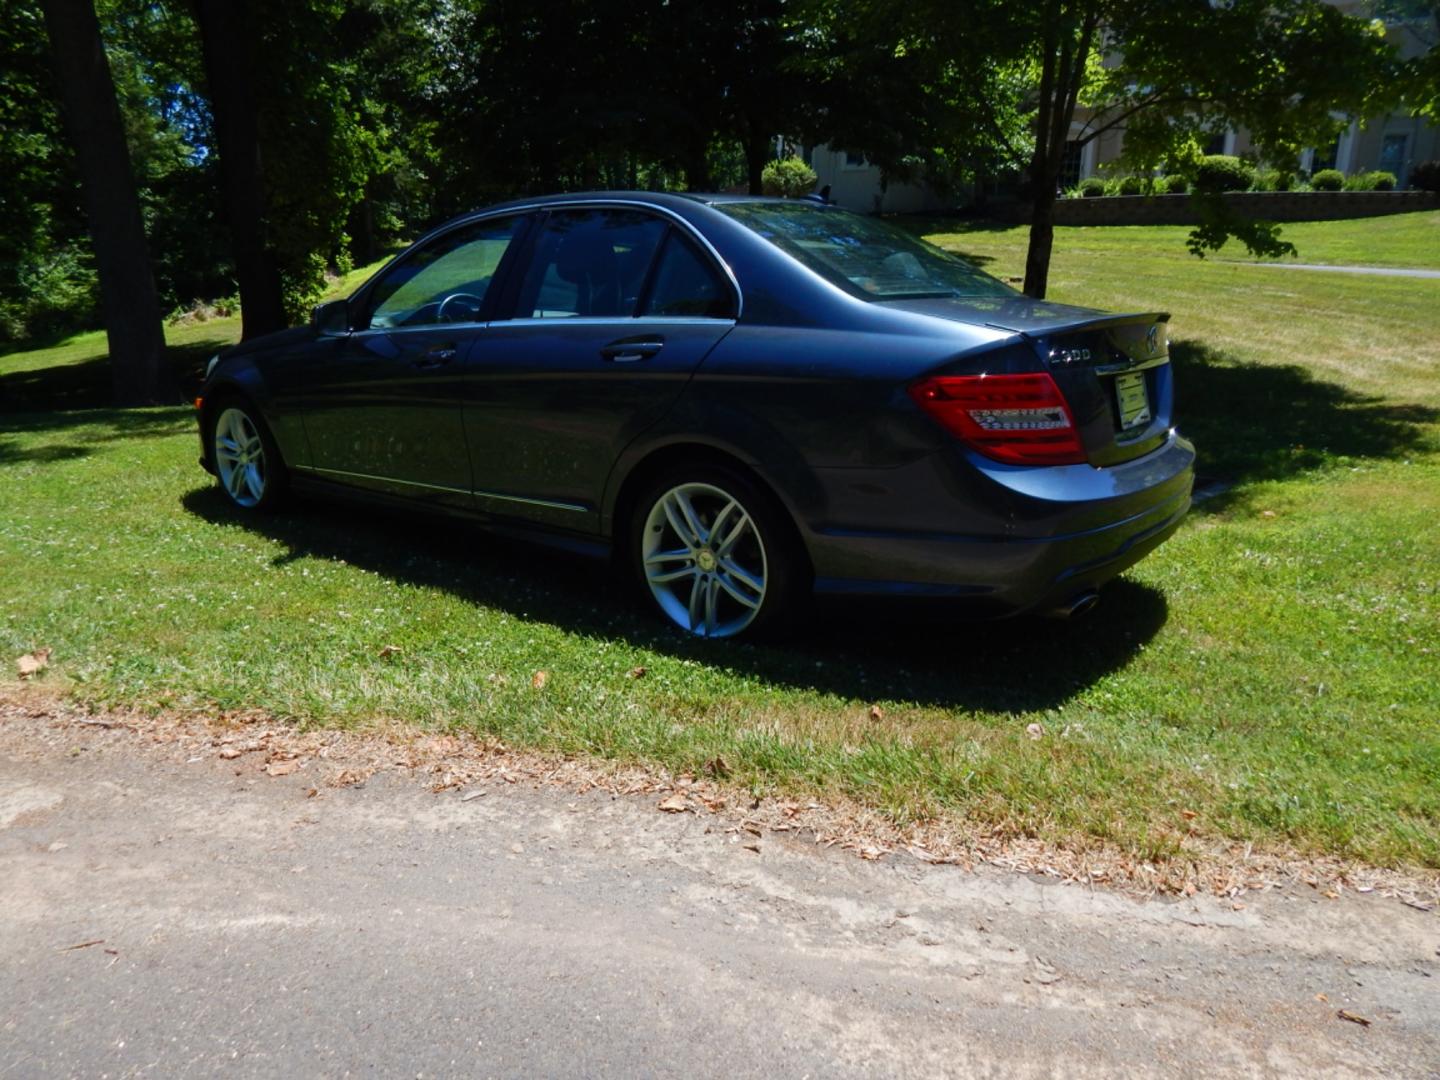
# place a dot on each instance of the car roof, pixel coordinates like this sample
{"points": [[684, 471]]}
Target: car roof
{"points": [[673, 199]]}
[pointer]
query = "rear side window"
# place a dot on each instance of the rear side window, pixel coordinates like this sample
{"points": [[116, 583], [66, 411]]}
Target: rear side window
{"points": [[687, 284], [590, 263]]}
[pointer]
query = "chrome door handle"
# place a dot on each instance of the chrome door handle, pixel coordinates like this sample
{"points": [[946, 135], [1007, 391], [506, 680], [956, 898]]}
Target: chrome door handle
{"points": [[437, 356], [631, 350]]}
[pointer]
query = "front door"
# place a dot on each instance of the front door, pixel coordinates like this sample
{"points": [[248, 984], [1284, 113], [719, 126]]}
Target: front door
{"points": [[616, 310], [382, 409]]}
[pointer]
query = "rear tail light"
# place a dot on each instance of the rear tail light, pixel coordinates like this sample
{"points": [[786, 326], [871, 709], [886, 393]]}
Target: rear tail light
{"points": [[1018, 419]]}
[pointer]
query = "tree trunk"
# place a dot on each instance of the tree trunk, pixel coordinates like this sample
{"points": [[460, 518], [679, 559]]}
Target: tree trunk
{"points": [[128, 301], [697, 170], [758, 152], [227, 38], [1042, 239]]}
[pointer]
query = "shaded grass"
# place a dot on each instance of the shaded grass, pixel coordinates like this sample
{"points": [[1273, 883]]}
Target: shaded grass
{"points": [[1270, 670]]}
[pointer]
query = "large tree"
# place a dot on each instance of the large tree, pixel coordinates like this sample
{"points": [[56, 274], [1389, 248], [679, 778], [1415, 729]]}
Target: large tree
{"points": [[129, 305], [1007, 79]]}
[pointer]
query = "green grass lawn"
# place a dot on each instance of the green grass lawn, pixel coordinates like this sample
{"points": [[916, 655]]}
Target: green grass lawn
{"points": [[1273, 670]]}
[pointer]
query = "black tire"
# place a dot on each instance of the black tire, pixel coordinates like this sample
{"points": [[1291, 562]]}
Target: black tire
{"points": [[764, 541], [230, 416]]}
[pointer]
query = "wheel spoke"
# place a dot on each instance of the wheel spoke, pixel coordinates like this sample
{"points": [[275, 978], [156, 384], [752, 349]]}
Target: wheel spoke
{"points": [[697, 531], [729, 586], [254, 481], [740, 574], [677, 555], [697, 601], [235, 481], [725, 546], [678, 523], [659, 577], [712, 602], [227, 446]]}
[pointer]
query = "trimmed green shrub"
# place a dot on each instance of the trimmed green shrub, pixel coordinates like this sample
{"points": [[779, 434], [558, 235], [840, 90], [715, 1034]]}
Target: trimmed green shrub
{"points": [[790, 178], [1130, 185], [1091, 186], [1426, 176], [1371, 181], [1222, 172], [1174, 184], [1328, 180], [1273, 180]]}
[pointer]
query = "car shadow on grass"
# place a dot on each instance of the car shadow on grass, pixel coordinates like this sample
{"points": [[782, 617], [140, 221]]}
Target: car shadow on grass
{"points": [[1256, 422], [864, 651]]}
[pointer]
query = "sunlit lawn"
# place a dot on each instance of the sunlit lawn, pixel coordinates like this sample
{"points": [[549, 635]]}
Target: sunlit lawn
{"points": [[1272, 670]]}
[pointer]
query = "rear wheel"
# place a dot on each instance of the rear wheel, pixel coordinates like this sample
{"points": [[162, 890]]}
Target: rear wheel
{"points": [[713, 552], [247, 461]]}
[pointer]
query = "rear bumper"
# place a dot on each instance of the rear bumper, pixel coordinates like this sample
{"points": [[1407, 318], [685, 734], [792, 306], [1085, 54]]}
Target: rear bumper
{"points": [[1005, 539]]}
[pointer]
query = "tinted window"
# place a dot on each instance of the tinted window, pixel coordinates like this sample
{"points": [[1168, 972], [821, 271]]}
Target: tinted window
{"points": [[863, 255], [446, 280], [590, 263], [686, 283]]}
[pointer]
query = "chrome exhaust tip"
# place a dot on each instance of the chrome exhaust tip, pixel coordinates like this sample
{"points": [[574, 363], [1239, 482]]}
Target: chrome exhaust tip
{"points": [[1077, 605]]}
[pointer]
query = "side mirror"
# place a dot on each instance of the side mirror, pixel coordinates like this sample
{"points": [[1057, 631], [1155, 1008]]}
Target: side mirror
{"points": [[331, 318]]}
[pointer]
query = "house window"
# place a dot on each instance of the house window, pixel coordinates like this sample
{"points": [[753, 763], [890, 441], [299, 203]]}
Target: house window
{"points": [[1392, 157], [1070, 163], [854, 161], [1326, 157], [1216, 145]]}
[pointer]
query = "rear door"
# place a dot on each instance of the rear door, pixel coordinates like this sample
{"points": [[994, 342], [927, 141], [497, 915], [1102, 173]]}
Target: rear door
{"points": [[614, 311], [383, 409]]}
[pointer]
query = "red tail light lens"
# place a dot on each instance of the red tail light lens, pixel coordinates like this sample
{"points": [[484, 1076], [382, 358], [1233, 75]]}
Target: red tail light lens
{"points": [[1018, 419]]}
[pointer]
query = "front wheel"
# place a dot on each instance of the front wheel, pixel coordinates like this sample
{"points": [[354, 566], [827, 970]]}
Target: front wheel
{"points": [[247, 461], [714, 553]]}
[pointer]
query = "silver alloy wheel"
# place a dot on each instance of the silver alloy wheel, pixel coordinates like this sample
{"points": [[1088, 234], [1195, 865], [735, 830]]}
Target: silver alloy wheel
{"points": [[240, 458], [704, 560]]}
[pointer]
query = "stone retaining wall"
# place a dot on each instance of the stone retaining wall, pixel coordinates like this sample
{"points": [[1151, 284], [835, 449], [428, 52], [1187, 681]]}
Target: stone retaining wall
{"points": [[1264, 205]]}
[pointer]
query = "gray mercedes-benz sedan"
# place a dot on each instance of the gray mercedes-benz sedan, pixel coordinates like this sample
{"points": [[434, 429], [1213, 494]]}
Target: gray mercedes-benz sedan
{"points": [[740, 399]]}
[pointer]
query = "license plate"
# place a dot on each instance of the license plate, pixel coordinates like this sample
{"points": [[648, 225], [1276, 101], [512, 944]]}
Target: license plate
{"points": [[1134, 400]]}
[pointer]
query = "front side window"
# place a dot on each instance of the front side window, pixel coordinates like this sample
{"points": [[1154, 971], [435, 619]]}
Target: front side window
{"points": [[590, 263], [867, 257], [446, 280]]}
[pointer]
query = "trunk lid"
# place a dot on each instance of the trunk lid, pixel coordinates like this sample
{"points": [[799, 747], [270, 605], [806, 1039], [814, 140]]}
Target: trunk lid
{"points": [[1114, 370]]}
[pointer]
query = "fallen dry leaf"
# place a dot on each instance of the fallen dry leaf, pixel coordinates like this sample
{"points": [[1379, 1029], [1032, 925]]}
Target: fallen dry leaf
{"points": [[82, 945], [752, 847], [675, 804], [281, 768], [717, 767], [1188, 815], [33, 663], [877, 713], [229, 753], [387, 651], [1035, 731], [1321, 997], [539, 679], [636, 672], [1354, 1018]]}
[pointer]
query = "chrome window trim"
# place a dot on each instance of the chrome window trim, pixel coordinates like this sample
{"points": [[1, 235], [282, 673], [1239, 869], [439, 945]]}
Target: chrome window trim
{"points": [[627, 204]]}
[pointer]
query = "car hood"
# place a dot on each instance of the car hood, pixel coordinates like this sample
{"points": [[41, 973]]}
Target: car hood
{"points": [[292, 336]]}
